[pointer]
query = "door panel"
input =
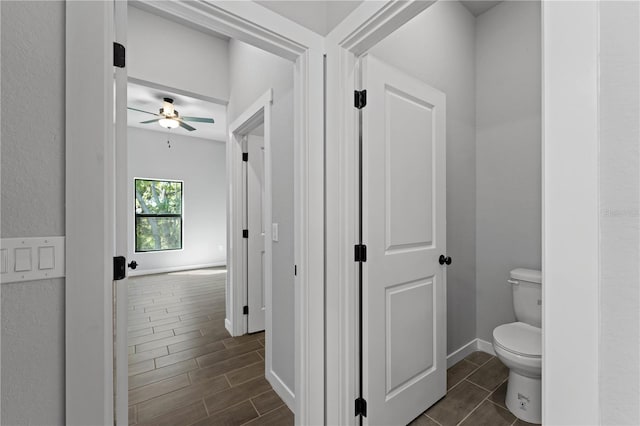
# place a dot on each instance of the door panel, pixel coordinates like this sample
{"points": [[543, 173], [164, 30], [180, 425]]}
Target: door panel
{"points": [[403, 214], [256, 226]]}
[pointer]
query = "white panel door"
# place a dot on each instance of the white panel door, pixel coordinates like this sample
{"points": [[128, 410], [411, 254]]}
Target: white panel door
{"points": [[404, 300], [255, 223]]}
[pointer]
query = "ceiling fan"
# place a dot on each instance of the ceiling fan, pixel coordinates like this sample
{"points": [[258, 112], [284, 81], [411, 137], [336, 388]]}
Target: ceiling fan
{"points": [[169, 118]]}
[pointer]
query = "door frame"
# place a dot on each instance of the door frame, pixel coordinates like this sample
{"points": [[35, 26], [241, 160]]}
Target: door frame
{"points": [[259, 111], [90, 161]]}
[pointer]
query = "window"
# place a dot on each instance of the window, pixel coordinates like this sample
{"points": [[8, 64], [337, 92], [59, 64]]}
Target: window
{"points": [[158, 215]]}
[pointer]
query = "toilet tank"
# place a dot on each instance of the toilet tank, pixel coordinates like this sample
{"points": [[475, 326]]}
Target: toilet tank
{"points": [[526, 285]]}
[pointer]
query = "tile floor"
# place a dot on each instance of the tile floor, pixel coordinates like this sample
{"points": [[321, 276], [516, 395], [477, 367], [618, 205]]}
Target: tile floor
{"points": [[184, 368], [476, 387]]}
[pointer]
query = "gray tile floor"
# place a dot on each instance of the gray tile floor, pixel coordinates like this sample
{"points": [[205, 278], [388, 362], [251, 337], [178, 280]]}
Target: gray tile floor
{"points": [[476, 388], [184, 368]]}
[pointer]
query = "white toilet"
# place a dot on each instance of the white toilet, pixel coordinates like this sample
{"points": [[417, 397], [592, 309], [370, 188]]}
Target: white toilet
{"points": [[519, 346]]}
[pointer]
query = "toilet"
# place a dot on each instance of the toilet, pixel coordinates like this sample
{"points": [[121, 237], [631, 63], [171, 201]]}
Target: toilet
{"points": [[519, 346]]}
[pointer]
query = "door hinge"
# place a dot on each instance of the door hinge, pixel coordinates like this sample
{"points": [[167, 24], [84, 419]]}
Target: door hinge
{"points": [[245, 156], [245, 310], [360, 253], [361, 407], [295, 270], [118, 55], [245, 233], [360, 98], [119, 268]]}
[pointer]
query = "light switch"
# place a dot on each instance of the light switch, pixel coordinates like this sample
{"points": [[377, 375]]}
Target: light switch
{"points": [[4, 261], [46, 258], [274, 231], [23, 259]]}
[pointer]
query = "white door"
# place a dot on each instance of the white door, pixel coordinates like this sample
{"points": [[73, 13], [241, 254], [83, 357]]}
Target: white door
{"points": [[404, 300], [123, 191], [255, 245]]}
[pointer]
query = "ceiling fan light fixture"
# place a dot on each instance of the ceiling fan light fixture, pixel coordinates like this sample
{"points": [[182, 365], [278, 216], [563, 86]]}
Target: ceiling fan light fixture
{"points": [[168, 123]]}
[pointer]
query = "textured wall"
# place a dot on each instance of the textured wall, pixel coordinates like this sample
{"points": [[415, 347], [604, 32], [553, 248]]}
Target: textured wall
{"points": [[32, 205], [438, 47], [200, 163], [246, 87], [508, 155], [620, 213]]}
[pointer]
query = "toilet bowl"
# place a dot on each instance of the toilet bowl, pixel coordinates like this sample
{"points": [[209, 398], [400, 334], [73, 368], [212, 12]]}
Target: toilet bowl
{"points": [[519, 346]]}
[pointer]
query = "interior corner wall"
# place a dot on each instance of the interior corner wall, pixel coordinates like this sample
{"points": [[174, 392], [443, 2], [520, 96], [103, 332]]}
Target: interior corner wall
{"points": [[508, 155], [200, 164], [33, 185], [438, 47], [252, 72], [619, 356], [158, 49]]}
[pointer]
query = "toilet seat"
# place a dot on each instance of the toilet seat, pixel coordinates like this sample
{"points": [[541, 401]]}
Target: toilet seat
{"points": [[520, 339]]}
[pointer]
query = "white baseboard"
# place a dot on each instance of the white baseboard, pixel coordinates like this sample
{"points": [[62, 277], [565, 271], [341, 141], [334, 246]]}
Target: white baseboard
{"points": [[281, 389], [485, 346], [465, 350], [140, 272], [227, 325]]}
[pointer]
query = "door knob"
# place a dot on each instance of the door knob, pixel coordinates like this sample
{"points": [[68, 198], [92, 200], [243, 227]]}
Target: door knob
{"points": [[442, 259], [133, 264]]}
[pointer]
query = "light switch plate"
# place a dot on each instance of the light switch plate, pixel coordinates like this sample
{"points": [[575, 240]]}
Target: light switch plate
{"points": [[274, 232], [30, 259]]}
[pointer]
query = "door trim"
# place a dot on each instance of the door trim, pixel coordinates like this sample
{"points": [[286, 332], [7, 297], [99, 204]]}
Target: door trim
{"points": [[89, 81]]}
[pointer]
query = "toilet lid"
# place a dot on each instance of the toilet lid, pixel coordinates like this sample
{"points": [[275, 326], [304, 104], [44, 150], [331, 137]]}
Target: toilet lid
{"points": [[519, 338]]}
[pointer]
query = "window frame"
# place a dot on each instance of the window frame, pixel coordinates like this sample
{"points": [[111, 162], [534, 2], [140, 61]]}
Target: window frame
{"points": [[136, 215]]}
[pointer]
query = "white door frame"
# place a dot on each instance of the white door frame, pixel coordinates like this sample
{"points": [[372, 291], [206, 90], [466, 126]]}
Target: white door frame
{"points": [[90, 163], [570, 246], [258, 112]]}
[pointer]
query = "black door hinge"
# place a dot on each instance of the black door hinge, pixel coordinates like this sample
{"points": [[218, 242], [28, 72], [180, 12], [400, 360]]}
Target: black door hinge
{"points": [[245, 156], [360, 253], [119, 268], [360, 98], [118, 55], [245, 310], [361, 407], [245, 233]]}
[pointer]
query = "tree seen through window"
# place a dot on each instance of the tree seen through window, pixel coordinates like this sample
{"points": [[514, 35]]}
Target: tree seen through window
{"points": [[158, 215]]}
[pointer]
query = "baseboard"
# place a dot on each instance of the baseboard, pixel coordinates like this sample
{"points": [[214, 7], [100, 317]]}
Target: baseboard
{"points": [[281, 389], [141, 272], [485, 346], [461, 353], [227, 325], [475, 345]]}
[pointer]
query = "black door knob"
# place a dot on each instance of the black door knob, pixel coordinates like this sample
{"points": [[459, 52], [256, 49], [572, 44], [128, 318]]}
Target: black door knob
{"points": [[133, 264], [444, 260]]}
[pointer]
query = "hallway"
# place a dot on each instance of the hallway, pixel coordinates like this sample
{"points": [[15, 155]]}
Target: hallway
{"points": [[184, 368]]}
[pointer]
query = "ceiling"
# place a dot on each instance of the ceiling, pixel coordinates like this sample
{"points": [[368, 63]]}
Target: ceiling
{"points": [[150, 99], [478, 7]]}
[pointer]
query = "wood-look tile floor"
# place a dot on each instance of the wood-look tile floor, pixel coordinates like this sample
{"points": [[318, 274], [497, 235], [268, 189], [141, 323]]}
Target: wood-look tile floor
{"points": [[476, 388], [184, 368]]}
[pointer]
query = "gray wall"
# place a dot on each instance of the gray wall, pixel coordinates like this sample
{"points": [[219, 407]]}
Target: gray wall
{"points": [[438, 47], [620, 213], [253, 72], [508, 155], [200, 164], [32, 46]]}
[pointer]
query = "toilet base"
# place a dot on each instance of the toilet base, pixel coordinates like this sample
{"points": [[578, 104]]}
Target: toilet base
{"points": [[524, 397]]}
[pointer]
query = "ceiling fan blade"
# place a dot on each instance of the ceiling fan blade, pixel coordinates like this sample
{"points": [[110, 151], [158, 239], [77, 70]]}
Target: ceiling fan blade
{"points": [[186, 126], [198, 119], [139, 110], [150, 121]]}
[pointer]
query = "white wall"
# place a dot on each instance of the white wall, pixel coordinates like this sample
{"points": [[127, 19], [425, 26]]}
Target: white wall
{"points": [[253, 72], [508, 155], [200, 164], [158, 50], [620, 212], [438, 47], [33, 180]]}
